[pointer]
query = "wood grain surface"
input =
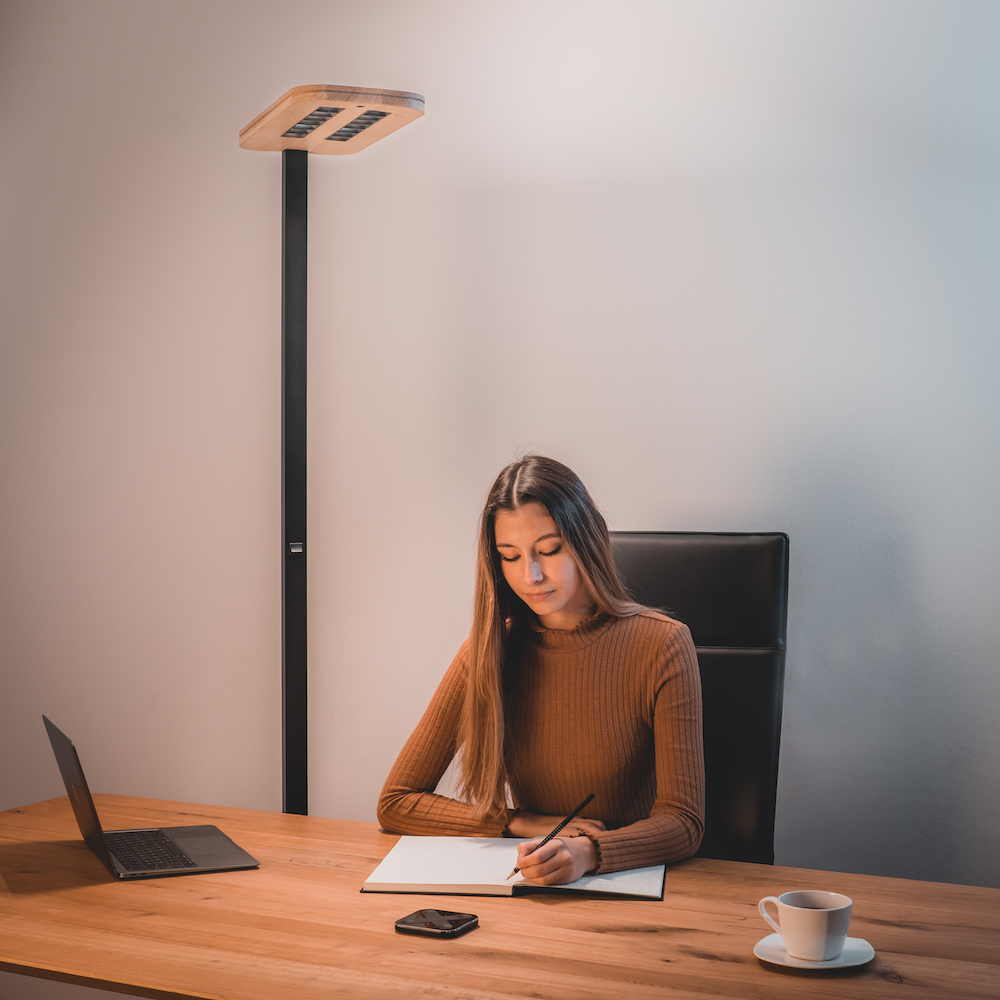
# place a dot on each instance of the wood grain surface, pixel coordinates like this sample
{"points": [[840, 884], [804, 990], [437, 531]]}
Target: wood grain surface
{"points": [[300, 928]]}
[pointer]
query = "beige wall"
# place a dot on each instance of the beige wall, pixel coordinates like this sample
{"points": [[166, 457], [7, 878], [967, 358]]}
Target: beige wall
{"points": [[734, 262]]}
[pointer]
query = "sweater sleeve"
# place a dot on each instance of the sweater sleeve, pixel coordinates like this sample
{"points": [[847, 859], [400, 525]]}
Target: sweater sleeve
{"points": [[408, 803], [676, 822]]}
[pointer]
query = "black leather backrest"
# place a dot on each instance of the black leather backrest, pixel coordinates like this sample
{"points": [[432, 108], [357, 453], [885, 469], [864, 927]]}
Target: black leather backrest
{"points": [[731, 590]]}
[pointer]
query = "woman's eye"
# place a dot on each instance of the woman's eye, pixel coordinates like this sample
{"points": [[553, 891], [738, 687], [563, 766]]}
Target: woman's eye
{"points": [[508, 558], [558, 548]]}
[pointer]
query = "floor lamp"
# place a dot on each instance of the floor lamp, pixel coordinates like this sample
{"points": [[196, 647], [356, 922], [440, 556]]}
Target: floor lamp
{"points": [[333, 121]]}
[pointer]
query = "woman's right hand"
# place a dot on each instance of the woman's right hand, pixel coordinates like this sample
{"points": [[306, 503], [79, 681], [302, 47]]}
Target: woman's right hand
{"points": [[533, 825]]}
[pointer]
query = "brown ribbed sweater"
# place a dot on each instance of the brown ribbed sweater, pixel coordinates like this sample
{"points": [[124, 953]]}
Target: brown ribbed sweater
{"points": [[612, 707]]}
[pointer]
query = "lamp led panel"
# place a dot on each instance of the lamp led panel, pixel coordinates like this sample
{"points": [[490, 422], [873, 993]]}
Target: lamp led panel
{"points": [[352, 118]]}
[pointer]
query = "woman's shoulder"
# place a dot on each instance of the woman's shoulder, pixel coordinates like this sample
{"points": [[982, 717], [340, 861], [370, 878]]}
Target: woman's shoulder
{"points": [[656, 632], [458, 669], [653, 622]]}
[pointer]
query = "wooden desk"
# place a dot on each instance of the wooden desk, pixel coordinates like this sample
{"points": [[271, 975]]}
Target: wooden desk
{"points": [[298, 929]]}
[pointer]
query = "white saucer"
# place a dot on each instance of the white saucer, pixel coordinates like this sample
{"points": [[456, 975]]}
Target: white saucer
{"points": [[856, 951]]}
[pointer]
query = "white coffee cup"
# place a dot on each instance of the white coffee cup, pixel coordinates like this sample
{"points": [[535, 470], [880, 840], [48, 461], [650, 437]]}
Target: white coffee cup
{"points": [[812, 924]]}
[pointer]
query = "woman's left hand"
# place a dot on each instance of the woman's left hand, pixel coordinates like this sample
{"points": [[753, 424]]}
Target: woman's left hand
{"points": [[561, 860]]}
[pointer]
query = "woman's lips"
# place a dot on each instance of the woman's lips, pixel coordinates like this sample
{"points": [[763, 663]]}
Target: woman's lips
{"points": [[543, 596]]}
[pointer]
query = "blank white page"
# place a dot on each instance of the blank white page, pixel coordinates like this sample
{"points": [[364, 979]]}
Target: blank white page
{"points": [[446, 862], [632, 882]]}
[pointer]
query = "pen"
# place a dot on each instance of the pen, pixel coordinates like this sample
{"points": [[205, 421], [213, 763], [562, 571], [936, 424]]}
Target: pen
{"points": [[584, 803]]}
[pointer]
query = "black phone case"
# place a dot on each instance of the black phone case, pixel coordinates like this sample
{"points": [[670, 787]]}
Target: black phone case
{"points": [[439, 932]]}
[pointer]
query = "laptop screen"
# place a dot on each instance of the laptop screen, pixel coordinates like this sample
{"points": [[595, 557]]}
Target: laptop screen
{"points": [[78, 792]]}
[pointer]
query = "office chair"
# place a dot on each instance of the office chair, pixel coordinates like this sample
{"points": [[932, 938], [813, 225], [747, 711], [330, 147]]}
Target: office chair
{"points": [[731, 590]]}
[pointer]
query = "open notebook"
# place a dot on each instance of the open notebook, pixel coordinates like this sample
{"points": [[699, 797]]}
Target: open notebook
{"points": [[475, 866]]}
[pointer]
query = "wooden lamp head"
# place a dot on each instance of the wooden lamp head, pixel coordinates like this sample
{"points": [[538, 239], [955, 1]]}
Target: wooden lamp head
{"points": [[321, 118]]}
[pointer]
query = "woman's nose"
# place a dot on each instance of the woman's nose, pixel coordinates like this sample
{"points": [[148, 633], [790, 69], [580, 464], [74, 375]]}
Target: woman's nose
{"points": [[533, 570]]}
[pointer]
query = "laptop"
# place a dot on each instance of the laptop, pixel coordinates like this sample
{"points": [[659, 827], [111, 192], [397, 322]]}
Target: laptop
{"points": [[172, 850]]}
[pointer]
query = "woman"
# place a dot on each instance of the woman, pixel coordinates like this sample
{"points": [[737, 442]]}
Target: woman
{"points": [[565, 686]]}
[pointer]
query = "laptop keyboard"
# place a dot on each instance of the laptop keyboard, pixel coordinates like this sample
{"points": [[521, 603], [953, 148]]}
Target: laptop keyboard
{"points": [[146, 850]]}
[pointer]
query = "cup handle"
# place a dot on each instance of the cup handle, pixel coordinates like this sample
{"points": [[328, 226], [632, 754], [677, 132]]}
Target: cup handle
{"points": [[762, 909]]}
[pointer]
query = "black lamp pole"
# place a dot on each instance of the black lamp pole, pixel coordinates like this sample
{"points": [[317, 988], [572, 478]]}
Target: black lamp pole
{"points": [[333, 121], [294, 718]]}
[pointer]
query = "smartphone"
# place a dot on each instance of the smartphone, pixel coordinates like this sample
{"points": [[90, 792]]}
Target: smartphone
{"points": [[438, 923]]}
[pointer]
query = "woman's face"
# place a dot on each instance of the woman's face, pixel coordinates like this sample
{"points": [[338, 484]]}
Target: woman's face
{"points": [[539, 569]]}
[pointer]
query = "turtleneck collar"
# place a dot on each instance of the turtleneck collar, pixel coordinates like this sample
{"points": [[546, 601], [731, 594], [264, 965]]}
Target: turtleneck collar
{"points": [[568, 640]]}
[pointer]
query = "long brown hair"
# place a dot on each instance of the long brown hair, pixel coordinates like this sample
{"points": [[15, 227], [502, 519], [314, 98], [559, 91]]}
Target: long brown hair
{"points": [[501, 619]]}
